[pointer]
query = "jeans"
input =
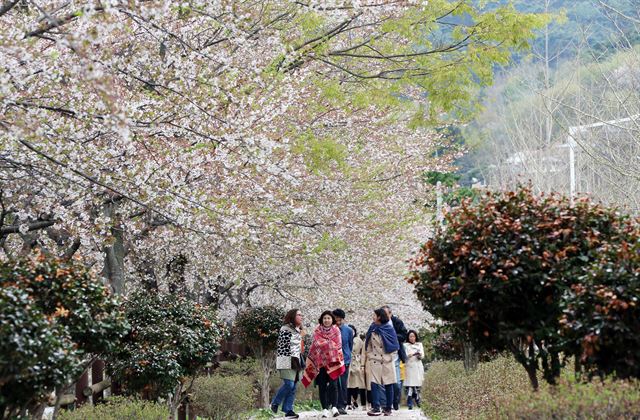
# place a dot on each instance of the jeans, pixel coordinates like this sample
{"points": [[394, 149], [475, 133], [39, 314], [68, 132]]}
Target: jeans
{"points": [[397, 388], [413, 395], [328, 390], [285, 395], [376, 393], [343, 393]]}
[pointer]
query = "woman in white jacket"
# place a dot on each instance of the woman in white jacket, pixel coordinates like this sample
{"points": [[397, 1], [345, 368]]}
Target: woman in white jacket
{"points": [[414, 370]]}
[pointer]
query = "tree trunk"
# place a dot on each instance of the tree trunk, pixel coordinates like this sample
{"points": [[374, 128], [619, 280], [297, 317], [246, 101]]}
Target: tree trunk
{"points": [[267, 366], [174, 401], [470, 357], [113, 269]]}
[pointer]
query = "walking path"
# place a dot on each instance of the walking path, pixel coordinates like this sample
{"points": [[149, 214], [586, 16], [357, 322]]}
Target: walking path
{"points": [[402, 414]]}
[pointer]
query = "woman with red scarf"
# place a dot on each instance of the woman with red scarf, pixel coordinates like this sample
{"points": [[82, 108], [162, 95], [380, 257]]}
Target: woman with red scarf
{"points": [[325, 362]]}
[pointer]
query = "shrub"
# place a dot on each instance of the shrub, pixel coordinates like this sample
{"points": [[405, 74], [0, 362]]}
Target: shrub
{"points": [[259, 328], [118, 408], [222, 397], [448, 392], [499, 389], [501, 267], [53, 316], [606, 400], [601, 313], [241, 367], [447, 347], [171, 338]]}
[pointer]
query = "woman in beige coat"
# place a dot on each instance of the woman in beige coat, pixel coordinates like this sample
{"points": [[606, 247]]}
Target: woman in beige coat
{"points": [[356, 383], [381, 346]]}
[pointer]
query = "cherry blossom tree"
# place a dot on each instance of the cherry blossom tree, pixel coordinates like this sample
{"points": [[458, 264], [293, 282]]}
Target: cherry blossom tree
{"points": [[238, 151]]}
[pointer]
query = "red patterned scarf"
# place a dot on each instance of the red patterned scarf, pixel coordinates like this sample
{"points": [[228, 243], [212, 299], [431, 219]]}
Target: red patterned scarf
{"points": [[325, 352]]}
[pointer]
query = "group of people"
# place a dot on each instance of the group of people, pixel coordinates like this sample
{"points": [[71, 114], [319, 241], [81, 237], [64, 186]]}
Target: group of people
{"points": [[347, 367]]}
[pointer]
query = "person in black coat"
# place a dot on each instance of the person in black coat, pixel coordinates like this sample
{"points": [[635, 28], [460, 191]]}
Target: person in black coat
{"points": [[401, 332]]}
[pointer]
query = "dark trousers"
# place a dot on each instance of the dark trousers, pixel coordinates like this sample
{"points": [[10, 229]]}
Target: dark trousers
{"points": [[328, 390], [377, 391], [353, 395], [381, 394], [343, 393]]}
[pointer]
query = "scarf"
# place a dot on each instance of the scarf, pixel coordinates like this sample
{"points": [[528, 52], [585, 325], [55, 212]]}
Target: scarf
{"points": [[388, 335], [325, 352]]}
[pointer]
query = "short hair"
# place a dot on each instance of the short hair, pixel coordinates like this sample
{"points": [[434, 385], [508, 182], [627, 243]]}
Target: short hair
{"points": [[414, 333], [339, 313], [382, 315], [333, 318], [290, 317], [355, 332]]}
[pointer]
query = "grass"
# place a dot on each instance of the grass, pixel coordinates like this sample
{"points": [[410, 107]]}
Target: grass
{"points": [[500, 389]]}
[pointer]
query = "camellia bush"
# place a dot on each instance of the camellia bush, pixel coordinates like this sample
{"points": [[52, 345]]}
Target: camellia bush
{"points": [[601, 312], [170, 340], [502, 267], [259, 328], [54, 318]]}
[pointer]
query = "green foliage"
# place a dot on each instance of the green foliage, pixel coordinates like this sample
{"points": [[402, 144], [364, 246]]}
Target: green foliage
{"points": [[499, 390], [601, 312], [223, 397], [450, 392], [447, 179], [171, 338], [119, 408], [501, 267], [259, 327], [53, 315], [597, 400], [320, 154], [242, 367]]}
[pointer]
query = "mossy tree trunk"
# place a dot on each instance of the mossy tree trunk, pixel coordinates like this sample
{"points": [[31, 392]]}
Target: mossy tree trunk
{"points": [[267, 365]]}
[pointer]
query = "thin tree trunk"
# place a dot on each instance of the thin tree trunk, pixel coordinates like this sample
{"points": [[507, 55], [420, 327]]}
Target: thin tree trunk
{"points": [[470, 357], [113, 269], [174, 402]]}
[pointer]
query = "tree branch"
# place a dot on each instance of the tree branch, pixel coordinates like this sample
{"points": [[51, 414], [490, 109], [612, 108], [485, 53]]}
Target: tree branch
{"points": [[8, 6]]}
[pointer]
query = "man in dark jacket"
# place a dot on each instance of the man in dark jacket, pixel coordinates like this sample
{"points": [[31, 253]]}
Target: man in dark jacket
{"points": [[347, 347], [401, 332]]}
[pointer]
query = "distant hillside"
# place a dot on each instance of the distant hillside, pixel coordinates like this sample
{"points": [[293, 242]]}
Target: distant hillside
{"points": [[588, 23]]}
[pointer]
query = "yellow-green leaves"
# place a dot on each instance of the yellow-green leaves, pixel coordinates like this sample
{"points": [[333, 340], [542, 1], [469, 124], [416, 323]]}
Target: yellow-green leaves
{"points": [[321, 154]]}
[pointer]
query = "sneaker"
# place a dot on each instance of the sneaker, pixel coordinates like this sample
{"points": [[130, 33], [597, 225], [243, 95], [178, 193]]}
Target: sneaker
{"points": [[387, 411], [291, 415], [335, 412], [410, 407], [374, 412], [342, 411], [325, 413], [395, 406], [274, 408]]}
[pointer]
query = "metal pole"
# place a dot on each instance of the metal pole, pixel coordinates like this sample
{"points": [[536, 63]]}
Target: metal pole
{"points": [[572, 171], [572, 164], [439, 213]]}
